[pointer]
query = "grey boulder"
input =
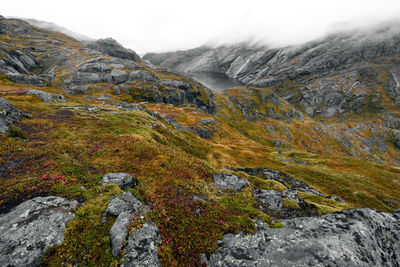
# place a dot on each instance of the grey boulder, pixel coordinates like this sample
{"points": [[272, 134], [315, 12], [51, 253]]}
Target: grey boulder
{"points": [[118, 76], [225, 181], [125, 207], [119, 231], [124, 180], [8, 115], [26, 79], [142, 247], [360, 237], [111, 47], [46, 97], [31, 228]]}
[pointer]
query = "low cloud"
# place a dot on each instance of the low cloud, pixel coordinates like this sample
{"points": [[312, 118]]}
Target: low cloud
{"points": [[156, 26]]}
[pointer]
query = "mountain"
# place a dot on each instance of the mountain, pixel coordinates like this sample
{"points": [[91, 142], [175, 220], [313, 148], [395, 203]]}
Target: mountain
{"points": [[354, 71], [57, 28], [107, 159]]}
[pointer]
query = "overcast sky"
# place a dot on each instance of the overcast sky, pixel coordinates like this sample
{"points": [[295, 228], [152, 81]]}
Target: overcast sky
{"points": [[164, 25]]}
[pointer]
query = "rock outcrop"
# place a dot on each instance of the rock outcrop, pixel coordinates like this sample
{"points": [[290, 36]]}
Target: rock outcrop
{"points": [[142, 247], [8, 115], [46, 97], [226, 181], [124, 207], [123, 180], [342, 72], [31, 228], [360, 237], [111, 47]]}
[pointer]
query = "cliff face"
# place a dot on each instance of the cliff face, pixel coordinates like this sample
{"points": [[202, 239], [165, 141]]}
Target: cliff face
{"points": [[347, 71]]}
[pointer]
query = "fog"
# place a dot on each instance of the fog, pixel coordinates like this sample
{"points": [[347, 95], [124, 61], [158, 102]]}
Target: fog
{"points": [[157, 26]]}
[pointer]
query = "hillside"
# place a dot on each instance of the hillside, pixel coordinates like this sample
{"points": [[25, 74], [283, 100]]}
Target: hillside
{"points": [[107, 160]]}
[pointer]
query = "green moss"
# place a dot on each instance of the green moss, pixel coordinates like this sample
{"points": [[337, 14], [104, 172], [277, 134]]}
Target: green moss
{"points": [[291, 204], [265, 184], [324, 205], [277, 224], [86, 240], [15, 132]]}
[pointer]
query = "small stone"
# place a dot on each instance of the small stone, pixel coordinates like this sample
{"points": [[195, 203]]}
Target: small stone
{"points": [[119, 231], [124, 180], [142, 247], [229, 181]]}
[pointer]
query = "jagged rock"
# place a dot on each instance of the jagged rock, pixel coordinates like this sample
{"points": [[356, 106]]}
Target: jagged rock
{"points": [[118, 76], [360, 237], [271, 198], [46, 97], [391, 120], [259, 104], [175, 84], [141, 75], [225, 181], [111, 47], [124, 180], [341, 72], [8, 115], [26, 79], [126, 202], [119, 231], [31, 228], [288, 181], [125, 207], [142, 247], [77, 89]]}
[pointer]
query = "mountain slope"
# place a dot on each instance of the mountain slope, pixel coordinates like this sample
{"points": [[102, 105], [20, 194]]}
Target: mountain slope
{"points": [[355, 71], [148, 166]]}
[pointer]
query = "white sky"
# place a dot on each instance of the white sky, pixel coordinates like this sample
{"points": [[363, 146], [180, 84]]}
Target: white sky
{"points": [[165, 25]]}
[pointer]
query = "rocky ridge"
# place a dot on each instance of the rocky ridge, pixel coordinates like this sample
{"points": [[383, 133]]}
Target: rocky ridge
{"points": [[360, 237], [342, 72], [31, 228]]}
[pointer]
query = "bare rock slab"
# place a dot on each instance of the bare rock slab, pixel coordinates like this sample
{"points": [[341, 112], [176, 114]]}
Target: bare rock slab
{"points": [[124, 180], [31, 228]]}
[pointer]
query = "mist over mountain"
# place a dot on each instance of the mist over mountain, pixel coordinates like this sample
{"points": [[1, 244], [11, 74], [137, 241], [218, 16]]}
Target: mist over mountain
{"points": [[54, 27]]}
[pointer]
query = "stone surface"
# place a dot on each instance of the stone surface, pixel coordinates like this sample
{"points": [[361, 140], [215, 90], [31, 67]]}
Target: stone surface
{"points": [[31, 228], [142, 247], [124, 180], [8, 115], [360, 237], [119, 231], [339, 73], [125, 207], [125, 202], [46, 97], [111, 47], [26, 79], [229, 181]]}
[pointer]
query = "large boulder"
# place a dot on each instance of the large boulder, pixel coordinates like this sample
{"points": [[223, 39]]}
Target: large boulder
{"points": [[112, 48], [26, 79], [119, 231], [31, 228], [125, 207], [8, 115], [225, 181], [360, 237], [142, 247], [46, 97], [126, 202], [117, 76], [124, 180]]}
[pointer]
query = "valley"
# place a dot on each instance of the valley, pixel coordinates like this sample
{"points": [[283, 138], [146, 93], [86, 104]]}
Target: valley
{"points": [[233, 155]]}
